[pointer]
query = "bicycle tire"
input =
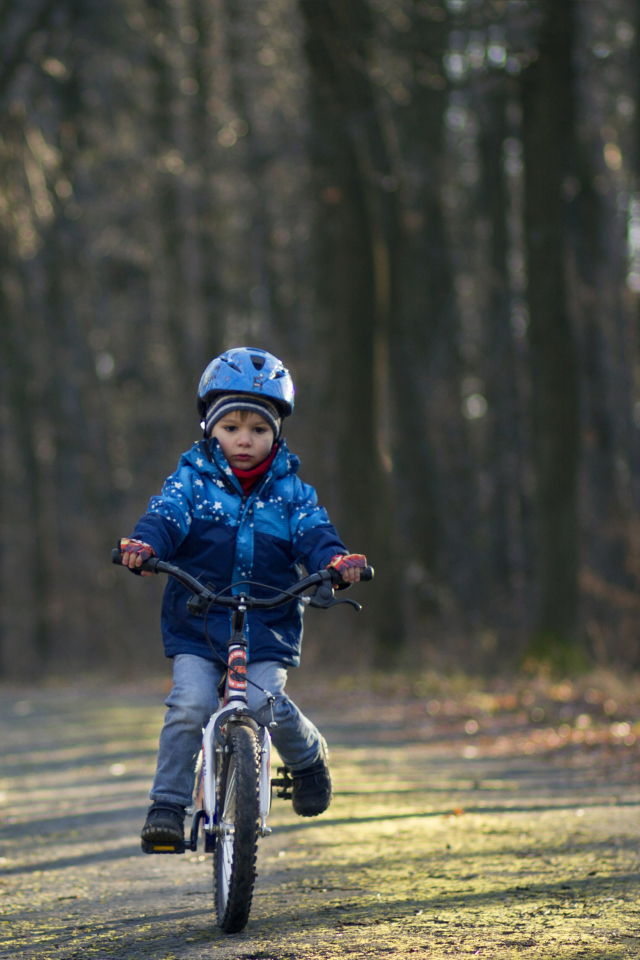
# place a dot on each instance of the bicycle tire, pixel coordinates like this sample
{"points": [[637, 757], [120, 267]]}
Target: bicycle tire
{"points": [[234, 860]]}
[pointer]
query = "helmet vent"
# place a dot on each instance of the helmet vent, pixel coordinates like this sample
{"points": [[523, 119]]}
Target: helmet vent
{"points": [[258, 362], [232, 363]]}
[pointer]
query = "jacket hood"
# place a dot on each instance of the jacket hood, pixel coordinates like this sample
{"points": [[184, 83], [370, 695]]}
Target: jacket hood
{"points": [[207, 458]]}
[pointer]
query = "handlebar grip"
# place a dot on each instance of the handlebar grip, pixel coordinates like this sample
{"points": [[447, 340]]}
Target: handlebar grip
{"points": [[149, 565], [336, 578]]}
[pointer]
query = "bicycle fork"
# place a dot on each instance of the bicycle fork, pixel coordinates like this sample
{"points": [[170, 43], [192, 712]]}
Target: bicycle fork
{"points": [[213, 749]]}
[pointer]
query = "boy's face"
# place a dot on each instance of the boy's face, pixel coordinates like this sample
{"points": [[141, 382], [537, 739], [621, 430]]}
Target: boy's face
{"points": [[246, 438]]}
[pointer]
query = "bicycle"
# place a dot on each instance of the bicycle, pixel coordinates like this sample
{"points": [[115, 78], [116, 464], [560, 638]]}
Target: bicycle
{"points": [[233, 786]]}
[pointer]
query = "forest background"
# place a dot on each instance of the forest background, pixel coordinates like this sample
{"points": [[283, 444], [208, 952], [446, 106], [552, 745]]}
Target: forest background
{"points": [[430, 210]]}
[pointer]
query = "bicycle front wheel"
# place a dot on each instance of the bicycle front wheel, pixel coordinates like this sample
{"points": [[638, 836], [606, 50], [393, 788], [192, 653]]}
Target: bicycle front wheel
{"points": [[234, 861]]}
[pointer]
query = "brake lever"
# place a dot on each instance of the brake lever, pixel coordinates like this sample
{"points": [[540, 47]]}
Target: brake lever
{"points": [[325, 604], [324, 598], [352, 603]]}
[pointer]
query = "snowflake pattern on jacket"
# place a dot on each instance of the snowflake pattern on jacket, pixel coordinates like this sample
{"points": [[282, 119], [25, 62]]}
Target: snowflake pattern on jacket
{"points": [[206, 525]]}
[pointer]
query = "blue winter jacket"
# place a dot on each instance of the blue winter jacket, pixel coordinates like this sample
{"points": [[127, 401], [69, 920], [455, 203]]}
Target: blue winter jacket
{"points": [[206, 525]]}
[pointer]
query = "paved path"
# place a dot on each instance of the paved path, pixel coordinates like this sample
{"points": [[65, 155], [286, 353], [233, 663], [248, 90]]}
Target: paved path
{"points": [[507, 839]]}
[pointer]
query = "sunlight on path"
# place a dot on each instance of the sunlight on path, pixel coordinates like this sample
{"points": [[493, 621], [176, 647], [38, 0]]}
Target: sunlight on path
{"points": [[424, 852]]}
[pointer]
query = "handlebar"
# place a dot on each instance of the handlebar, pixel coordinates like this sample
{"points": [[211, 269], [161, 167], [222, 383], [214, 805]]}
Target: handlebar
{"points": [[324, 581]]}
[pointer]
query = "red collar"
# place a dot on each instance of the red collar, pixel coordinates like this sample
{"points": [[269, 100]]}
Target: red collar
{"points": [[249, 478]]}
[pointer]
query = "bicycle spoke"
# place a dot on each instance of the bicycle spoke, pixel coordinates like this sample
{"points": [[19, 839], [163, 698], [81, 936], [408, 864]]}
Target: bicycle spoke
{"points": [[230, 795]]}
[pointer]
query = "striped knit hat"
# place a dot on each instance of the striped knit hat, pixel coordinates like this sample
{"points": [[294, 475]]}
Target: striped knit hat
{"points": [[226, 403]]}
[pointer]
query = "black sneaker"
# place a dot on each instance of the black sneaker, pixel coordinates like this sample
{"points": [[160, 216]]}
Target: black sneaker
{"points": [[163, 831], [311, 791]]}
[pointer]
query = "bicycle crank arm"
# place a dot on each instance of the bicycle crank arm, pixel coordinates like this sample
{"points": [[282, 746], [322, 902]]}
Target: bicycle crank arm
{"points": [[195, 824]]}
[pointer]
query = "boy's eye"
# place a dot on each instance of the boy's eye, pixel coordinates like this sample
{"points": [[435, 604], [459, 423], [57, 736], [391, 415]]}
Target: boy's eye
{"points": [[260, 429], [229, 427]]}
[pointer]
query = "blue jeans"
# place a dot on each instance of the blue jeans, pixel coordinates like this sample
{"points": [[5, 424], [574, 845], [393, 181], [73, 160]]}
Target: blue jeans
{"points": [[192, 701]]}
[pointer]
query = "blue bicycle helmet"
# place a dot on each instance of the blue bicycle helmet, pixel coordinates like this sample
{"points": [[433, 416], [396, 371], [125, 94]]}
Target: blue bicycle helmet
{"points": [[247, 370]]}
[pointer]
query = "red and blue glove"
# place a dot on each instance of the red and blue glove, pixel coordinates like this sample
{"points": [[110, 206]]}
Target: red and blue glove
{"points": [[348, 566], [134, 553]]}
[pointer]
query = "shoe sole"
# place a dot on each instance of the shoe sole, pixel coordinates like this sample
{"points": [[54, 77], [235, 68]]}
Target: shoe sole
{"points": [[312, 811]]}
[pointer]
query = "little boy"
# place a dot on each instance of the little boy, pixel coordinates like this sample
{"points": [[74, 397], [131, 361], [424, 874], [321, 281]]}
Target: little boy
{"points": [[235, 510]]}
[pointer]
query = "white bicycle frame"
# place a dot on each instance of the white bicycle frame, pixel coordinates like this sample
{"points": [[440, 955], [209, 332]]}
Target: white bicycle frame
{"points": [[235, 711]]}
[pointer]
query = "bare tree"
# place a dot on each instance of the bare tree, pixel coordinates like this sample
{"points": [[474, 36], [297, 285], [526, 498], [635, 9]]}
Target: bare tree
{"points": [[548, 124]]}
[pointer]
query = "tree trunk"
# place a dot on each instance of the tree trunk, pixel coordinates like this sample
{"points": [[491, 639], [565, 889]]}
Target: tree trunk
{"points": [[547, 134], [357, 185]]}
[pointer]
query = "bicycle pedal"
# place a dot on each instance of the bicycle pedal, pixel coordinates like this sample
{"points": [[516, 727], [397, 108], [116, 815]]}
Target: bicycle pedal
{"points": [[283, 794], [284, 784], [148, 847]]}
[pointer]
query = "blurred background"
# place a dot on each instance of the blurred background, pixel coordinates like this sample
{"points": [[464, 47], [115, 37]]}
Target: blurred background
{"points": [[430, 210]]}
